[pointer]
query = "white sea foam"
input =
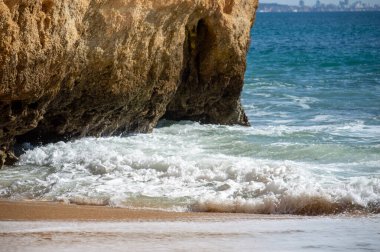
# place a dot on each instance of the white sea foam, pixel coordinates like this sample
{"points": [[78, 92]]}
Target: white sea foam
{"points": [[303, 102], [355, 128], [179, 167], [321, 118]]}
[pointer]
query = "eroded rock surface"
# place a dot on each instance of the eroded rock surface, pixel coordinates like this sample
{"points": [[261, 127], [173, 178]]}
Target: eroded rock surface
{"points": [[73, 68]]}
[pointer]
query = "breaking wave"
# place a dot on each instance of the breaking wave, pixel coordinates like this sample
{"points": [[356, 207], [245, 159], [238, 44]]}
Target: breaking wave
{"points": [[192, 167]]}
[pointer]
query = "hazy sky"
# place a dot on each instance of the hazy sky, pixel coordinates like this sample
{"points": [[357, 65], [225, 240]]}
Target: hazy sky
{"points": [[312, 2]]}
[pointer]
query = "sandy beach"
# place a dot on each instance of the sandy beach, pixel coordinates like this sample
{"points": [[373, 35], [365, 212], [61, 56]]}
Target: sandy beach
{"points": [[59, 211], [48, 226], [40, 210]]}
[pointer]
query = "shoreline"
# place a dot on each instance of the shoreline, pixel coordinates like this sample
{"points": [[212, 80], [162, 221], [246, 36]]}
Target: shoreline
{"points": [[55, 226], [50, 211], [58, 211], [13, 210]]}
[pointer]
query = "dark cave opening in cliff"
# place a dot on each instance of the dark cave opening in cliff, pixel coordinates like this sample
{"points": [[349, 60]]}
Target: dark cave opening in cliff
{"points": [[184, 105]]}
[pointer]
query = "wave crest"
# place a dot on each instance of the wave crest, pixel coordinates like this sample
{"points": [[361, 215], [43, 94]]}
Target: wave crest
{"points": [[299, 205]]}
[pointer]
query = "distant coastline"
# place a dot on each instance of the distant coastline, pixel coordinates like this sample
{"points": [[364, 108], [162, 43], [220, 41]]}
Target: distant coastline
{"points": [[343, 6]]}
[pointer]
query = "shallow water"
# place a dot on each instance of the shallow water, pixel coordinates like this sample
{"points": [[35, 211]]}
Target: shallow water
{"points": [[312, 95], [301, 234]]}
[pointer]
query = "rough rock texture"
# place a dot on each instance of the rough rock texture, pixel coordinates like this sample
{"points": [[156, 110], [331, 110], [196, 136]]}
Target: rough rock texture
{"points": [[71, 68]]}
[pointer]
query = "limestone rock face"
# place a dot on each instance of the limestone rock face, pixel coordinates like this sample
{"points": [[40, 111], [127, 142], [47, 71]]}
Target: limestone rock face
{"points": [[71, 68]]}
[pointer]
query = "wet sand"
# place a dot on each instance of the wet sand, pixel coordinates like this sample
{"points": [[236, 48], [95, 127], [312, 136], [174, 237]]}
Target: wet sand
{"points": [[52, 226], [39, 210], [42, 210]]}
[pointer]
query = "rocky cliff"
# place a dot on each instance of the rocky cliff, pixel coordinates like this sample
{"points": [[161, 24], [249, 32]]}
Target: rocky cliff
{"points": [[71, 68]]}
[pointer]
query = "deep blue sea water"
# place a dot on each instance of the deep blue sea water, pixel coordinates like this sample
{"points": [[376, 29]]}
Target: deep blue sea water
{"points": [[315, 79], [312, 95]]}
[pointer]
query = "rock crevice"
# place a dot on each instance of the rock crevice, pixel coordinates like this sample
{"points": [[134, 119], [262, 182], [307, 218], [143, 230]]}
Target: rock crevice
{"points": [[103, 67]]}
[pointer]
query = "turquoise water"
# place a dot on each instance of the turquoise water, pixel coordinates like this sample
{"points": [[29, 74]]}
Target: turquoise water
{"points": [[314, 80], [312, 95]]}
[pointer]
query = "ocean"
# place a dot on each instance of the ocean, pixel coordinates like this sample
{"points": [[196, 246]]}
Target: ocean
{"points": [[312, 96]]}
